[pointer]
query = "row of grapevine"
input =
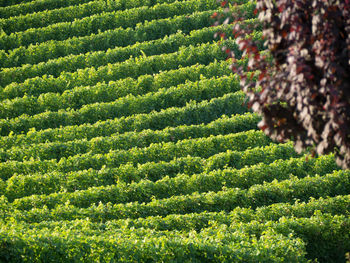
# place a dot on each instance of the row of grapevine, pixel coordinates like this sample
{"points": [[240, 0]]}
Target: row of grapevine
{"points": [[105, 92], [102, 41], [96, 59], [192, 113], [147, 31], [323, 235], [133, 67], [124, 138], [218, 243], [202, 147], [126, 106], [182, 184], [18, 18], [286, 191], [36, 5], [57, 150], [101, 22], [58, 6], [314, 220], [339, 205], [21, 185]]}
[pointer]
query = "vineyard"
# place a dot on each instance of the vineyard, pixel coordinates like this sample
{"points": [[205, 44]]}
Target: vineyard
{"points": [[125, 137]]}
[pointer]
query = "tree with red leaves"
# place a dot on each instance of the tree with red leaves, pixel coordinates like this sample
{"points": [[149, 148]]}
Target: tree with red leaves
{"points": [[302, 87]]}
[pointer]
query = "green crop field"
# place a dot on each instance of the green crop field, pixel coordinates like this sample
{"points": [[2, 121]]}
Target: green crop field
{"points": [[124, 137]]}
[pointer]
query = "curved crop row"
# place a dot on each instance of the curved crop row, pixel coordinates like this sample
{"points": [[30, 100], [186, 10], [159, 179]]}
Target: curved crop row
{"points": [[147, 31], [24, 8], [101, 22], [96, 59], [58, 150], [133, 67], [21, 185], [124, 138], [145, 190], [105, 92], [192, 113], [19, 17], [338, 205], [10, 23], [202, 147], [37, 4], [287, 191], [236, 244], [177, 96], [320, 223], [320, 237]]}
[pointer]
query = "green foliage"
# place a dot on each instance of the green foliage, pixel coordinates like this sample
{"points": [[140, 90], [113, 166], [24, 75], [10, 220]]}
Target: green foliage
{"points": [[165, 151], [146, 190], [118, 37], [54, 67], [101, 22], [106, 92], [192, 113], [57, 150], [46, 183], [133, 67], [71, 63], [127, 139], [54, 13], [126, 106], [149, 30], [33, 5], [142, 245]]}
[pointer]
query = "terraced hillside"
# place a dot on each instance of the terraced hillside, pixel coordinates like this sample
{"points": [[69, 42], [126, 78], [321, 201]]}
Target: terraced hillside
{"points": [[125, 138]]}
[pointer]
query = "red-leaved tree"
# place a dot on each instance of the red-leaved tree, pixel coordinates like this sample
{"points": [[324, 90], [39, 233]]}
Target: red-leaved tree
{"points": [[302, 87]]}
